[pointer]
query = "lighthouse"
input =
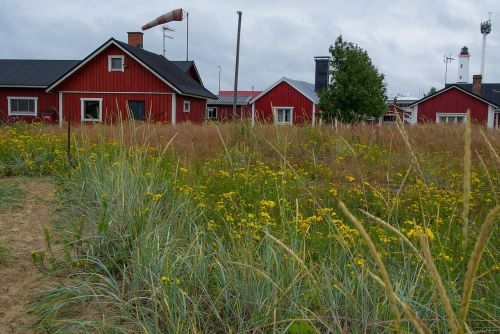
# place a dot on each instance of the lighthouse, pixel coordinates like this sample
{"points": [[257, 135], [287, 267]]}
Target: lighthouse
{"points": [[463, 66]]}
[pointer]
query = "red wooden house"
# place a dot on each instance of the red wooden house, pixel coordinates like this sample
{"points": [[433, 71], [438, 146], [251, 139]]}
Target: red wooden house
{"points": [[451, 104], [221, 109], [286, 102], [118, 81]]}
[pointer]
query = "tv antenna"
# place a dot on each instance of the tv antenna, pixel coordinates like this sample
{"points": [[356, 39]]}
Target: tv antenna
{"points": [[446, 59], [165, 29]]}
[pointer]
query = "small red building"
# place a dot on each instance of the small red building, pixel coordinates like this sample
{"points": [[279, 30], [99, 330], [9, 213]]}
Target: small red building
{"points": [[450, 105], [286, 102], [116, 81], [221, 109]]}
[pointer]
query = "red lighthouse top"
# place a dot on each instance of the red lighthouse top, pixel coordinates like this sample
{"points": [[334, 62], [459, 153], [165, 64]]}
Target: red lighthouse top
{"points": [[464, 51]]}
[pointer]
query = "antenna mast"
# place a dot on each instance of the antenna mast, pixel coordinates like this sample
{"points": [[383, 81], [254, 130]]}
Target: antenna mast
{"points": [[165, 29], [447, 59], [485, 30]]}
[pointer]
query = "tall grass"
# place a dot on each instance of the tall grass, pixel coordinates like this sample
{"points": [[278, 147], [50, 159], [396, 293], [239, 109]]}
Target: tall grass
{"points": [[230, 230]]}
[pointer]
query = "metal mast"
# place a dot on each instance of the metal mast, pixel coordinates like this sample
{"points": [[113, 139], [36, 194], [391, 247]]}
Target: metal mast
{"points": [[485, 30], [447, 59]]}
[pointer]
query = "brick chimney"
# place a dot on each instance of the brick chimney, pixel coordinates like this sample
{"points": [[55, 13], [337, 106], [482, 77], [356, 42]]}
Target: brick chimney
{"points": [[135, 39], [476, 84]]}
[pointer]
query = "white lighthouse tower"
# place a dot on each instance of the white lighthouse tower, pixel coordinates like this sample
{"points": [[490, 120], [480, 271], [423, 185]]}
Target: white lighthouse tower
{"points": [[463, 66]]}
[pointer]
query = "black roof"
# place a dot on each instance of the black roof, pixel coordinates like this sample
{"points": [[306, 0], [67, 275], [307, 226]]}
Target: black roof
{"points": [[168, 71], [489, 91], [229, 99], [33, 73], [184, 65]]}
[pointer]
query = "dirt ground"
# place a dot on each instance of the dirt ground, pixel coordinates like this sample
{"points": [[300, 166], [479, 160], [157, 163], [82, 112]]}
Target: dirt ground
{"points": [[21, 230]]}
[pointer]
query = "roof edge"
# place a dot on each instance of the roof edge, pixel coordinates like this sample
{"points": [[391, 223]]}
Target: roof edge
{"points": [[443, 90], [283, 79]]}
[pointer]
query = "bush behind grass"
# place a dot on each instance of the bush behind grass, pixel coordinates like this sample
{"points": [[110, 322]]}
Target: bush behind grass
{"points": [[250, 237]]}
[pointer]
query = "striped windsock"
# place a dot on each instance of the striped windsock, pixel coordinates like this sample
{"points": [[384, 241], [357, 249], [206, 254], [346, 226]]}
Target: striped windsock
{"points": [[175, 15]]}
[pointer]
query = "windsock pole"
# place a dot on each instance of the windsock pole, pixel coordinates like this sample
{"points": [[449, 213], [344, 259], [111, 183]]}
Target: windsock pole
{"points": [[187, 36]]}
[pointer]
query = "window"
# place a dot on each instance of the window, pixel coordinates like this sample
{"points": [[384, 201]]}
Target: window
{"points": [[115, 63], [22, 106], [212, 112], [91, 110], [283, 116], [461, 65], [450, 118], [187, 106]]}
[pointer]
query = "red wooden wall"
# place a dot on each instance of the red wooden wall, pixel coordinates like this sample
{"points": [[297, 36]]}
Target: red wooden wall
{"points": [[452, 101], [225, 112], [114, 106], [284, 95], [94, 76], [197, 110], [45, 101]]}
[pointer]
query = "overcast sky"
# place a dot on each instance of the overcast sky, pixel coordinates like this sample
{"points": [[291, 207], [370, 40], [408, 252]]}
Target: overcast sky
{"points": [[406, 39]]}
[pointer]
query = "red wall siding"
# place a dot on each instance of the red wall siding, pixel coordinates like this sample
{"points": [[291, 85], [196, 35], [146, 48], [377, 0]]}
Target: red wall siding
{"points": [[284, 95], [45, 101], [114, 106], [225, 112], [452, 101], [197, 110], [94, 76]]}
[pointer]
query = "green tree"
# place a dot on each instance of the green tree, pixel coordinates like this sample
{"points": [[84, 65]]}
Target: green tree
{"points": [[357, 90], [431, 91]]}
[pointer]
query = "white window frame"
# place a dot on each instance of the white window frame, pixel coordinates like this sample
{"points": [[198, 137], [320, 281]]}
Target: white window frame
{"points": [[275, 115], [188, 104], [208, 112], [16, 113], [439, 115], [110, 61], [496, 117], [82, 108]]}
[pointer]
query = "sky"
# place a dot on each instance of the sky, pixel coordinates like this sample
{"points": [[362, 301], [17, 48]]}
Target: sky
{"points": [[406, 39]]}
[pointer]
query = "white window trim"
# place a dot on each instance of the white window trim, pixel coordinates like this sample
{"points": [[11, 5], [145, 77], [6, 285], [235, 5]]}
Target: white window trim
{"points": [[110, 69], [82, 106], [208, 112], [275, 115], [14, 113], [188, 103], [444, 114], [496, 116]]}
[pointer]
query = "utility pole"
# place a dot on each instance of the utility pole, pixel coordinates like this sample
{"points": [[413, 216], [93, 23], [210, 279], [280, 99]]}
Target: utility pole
{"points": [[237, 65], [220, 70]]}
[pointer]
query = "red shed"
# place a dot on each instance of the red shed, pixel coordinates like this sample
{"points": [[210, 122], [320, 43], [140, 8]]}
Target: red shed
{"points": [[451, 104], [286, 102]]}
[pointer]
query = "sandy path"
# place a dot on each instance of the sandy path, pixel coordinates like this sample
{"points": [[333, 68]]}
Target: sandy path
{"points": [[21, 230]]}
